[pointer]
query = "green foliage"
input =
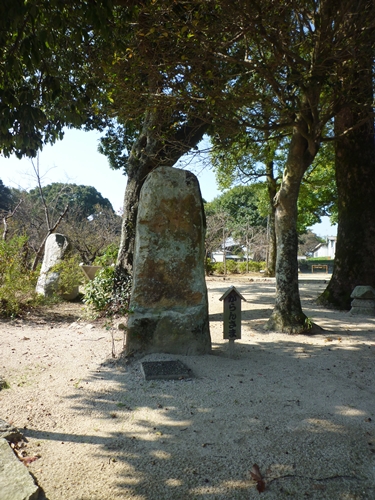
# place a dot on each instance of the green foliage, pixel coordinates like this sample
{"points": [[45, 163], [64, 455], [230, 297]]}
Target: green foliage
{"points": [[44, 81], [231, 266], [109, 256], [83, 200], [100, 296], [240, 204], [209, 266], [5, 197], [254, 266], [318, 192], [70, 275], [17, 283], [242, 267], [116, 144], [242, 159], [239, 267], [218, 268]]}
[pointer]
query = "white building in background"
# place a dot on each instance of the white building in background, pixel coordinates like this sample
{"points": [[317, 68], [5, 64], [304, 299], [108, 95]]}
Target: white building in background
{"points": [[326, 250], [230, 244], [219, 256]]}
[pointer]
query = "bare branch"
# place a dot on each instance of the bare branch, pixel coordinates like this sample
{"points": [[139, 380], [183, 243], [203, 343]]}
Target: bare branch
{"points": [[8, 216]]}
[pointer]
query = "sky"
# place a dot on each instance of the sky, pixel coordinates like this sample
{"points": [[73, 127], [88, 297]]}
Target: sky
{"points": [[76, 160]]}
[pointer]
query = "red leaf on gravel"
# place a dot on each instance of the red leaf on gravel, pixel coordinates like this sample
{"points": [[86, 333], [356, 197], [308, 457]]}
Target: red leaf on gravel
{"points": [[257, 476]]}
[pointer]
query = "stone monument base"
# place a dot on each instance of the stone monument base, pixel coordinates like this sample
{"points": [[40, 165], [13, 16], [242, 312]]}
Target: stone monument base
{"points": [[171, 332]]}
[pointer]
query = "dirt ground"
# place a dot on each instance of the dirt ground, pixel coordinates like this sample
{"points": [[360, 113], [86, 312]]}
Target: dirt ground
{"points": [[300, 407]]}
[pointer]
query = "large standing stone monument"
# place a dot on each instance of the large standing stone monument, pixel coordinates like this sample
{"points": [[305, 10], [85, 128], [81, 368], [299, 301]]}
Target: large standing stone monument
{"points": [[169, 295]]}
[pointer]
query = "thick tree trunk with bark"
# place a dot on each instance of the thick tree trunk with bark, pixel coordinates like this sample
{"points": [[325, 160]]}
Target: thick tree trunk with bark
{"points": [[149, 152], [287, 315], [355, 178]]}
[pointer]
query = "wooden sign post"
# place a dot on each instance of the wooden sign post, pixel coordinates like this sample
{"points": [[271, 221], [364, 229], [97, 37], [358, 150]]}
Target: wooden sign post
{"points": [[232, 316]]}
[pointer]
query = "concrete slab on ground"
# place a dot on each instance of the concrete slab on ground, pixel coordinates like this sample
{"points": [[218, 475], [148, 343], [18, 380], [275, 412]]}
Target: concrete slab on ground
{"points": [[165, 370]]}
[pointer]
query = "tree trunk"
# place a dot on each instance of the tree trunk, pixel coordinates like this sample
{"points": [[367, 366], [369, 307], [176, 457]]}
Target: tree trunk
{"points": [[287, 315], [355, 177], [150, 151], [271, 229]]}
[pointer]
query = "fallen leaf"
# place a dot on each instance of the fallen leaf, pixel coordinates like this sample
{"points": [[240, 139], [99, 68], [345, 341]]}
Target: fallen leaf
{"points": [[257, 476], [28, 460], [328, 339]]}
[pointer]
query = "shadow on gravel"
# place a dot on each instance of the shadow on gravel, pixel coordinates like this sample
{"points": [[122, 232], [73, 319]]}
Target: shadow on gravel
{"points": [[303, 412]]}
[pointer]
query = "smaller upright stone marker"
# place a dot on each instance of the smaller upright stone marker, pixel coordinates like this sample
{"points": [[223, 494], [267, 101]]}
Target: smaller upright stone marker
{"points": [[232, 315], [363, 301], [56, 247]]}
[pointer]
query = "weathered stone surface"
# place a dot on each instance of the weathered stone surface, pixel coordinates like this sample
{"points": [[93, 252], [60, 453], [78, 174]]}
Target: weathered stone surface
{"points": [[16, 483], [363, 302], [364, 311], [9, 432], [169, 295], [56, 247], [363, 292]]}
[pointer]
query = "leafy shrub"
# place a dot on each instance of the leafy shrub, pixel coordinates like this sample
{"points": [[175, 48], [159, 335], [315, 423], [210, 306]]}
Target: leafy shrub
{"points": [[238, 267], [17, 282], [109, 256], [231, 267], [256, 266], [210, 266], [218, 268], [70, 275], [242, 267], [99, 293]]}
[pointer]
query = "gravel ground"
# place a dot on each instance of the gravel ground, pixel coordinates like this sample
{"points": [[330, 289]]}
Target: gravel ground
{"points": [[300, 407]]}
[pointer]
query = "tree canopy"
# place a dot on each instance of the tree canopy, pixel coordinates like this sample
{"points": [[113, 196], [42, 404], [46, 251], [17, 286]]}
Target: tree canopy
{"points": [[82, 200], [45, 83], [240, 204], [5, 197]]}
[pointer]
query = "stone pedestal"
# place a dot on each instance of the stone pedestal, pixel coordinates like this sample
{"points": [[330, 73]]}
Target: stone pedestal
{"points": [[363, 301], [169, 295]]}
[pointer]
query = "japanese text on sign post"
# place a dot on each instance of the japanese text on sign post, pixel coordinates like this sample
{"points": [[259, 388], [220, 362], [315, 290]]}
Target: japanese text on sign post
{"points": [[232, 316]]}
